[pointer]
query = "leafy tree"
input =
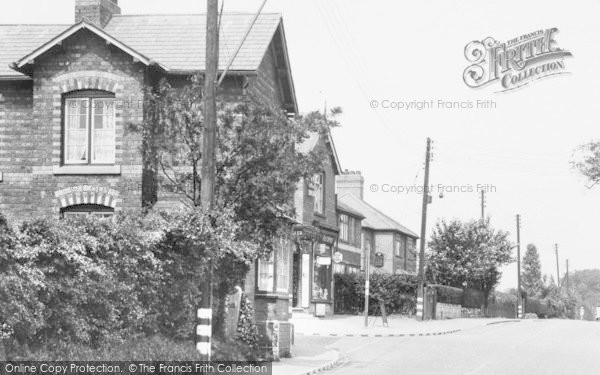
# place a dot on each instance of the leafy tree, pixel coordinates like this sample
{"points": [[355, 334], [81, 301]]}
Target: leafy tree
{"points": [[468, 254], [586, 285], [587, 161], [257, 166], [532, 272]]}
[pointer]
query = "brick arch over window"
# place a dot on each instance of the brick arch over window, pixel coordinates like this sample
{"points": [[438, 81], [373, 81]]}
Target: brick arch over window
{"points": [[86, 80], [88, 197]]}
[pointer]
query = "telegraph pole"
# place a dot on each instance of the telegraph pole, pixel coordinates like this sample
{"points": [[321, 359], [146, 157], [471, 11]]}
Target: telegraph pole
{"points": [[207, 184], [367, 282], [519, 300], [482, 204], [557, 269], [567, 276], [421, 277]]}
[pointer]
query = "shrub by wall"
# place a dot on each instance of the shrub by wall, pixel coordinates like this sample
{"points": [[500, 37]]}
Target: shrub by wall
{"points": [[448, 294], [473, 298], [397, 292]]}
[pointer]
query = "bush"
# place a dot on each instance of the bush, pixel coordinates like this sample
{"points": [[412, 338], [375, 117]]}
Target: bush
{"points": [[247, 332], [84, 285], [397, 292], [473, 298], [448, 294]]}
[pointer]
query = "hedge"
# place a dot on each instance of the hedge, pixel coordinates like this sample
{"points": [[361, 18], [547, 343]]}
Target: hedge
{"points": [[473, 298], [397, 292], [91, 284], [448, 294]]}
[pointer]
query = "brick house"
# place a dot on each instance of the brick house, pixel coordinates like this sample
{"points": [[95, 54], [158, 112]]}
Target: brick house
{"points": [[350, 240], [68, 92], [383, 238], [317, 228]]}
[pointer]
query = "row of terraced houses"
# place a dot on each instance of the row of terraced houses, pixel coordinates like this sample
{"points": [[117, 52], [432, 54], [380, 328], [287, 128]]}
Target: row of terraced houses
{"points": [[61, 155]]}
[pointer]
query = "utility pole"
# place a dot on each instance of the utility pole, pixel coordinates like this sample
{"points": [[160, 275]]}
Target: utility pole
{"points": [[421, 277], [482, 204], [207, 184], [567, 276], [557, 269], [519, 299], [367, 282]]}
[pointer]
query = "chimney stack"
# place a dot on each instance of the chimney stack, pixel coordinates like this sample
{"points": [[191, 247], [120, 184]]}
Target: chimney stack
{"points": [[98, 12], [350, 182]]}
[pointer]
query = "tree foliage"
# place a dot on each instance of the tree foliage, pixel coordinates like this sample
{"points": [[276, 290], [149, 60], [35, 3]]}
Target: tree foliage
{"points": [[532, 282], [87, 281], [587, 161], [258, 164], [586, 285], [467, 254]]}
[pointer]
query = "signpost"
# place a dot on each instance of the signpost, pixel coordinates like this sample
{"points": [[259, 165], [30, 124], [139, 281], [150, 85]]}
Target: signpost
{"points": [[338, 257], [379, 260]]}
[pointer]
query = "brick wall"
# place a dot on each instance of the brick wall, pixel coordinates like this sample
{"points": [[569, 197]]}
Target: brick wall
{"points": [[32, 127], [264, 86]]}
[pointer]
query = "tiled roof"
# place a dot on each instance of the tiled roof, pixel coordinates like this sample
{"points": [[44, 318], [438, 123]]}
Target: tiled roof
{"points": [[176, 42], [347, 209], [17, 41], [374, 218]]}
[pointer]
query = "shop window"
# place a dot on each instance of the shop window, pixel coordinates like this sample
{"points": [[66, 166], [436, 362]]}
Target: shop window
{"points": [[89, 128], [283, 265], [322, 273], [265, 274]]}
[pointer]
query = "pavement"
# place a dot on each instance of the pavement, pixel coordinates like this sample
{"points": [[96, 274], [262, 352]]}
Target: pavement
{"points": [[315, 350]]}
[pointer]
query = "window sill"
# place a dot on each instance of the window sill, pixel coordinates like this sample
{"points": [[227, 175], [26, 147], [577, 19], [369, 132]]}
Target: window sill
{"points": [[86, 169]]}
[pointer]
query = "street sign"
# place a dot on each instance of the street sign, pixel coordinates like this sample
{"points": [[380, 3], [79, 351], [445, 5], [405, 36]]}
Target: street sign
{"points": [[338, 257], [324, 261], [378, 261]]}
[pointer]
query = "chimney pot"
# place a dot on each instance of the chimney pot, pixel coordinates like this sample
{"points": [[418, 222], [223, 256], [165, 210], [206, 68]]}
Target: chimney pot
{"points": [[350, 182], [98, 12]]}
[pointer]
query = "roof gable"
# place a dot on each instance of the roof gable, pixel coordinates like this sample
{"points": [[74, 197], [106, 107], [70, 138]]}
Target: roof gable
{"points": [[83, 25]]}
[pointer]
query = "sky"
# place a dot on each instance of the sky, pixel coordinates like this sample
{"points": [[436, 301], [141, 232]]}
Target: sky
{"points": [[357, 55]]}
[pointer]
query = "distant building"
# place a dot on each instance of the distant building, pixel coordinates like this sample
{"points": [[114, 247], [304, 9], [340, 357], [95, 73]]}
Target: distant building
{"points": [[350, 240], [384, 236]]}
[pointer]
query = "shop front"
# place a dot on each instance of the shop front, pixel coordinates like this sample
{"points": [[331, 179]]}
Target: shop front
{"points": [[313, 271]]}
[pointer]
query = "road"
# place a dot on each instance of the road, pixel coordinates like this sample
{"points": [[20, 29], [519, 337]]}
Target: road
{"points": [[526, 347]]}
